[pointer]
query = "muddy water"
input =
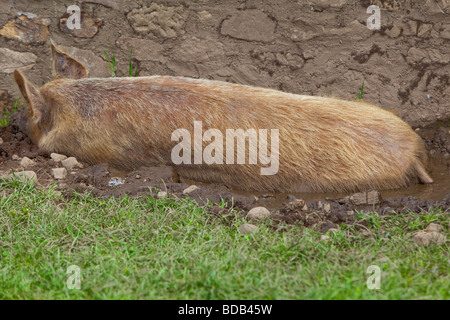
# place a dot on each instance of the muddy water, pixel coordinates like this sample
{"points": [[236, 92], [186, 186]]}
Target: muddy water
{"points": [[436, 191]]}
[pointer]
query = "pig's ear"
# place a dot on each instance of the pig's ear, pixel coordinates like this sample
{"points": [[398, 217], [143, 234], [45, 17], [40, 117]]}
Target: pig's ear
{"points": [[64, 66], [30, 94]]}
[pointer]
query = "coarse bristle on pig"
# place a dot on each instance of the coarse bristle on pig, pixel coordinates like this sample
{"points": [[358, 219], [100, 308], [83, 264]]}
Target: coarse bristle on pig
{"points": [[325, 144]]}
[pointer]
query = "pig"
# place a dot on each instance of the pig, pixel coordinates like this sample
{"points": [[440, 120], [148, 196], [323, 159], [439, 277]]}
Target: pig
{"points": [[325, 144]]}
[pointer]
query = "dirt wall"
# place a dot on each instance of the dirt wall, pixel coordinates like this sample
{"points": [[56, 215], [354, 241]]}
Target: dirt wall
{"points": [[307, 47]]}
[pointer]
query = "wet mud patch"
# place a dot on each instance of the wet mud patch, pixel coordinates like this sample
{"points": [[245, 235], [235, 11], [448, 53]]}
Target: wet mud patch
{"points": [[320, 212]]}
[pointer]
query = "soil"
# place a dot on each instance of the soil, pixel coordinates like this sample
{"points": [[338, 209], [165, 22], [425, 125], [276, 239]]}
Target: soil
{"points": [[318, 211]]}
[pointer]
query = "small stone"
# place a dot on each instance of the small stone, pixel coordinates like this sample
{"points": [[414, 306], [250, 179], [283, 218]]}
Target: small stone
{"points": [[11, 60], [59, 173], [327, 207], [362, 198], [70, 163], [1, 140], [373, 197], [305, 208], [57, 157], [434, 227], [26, 30], [425, 30], [29, 175], [26, 162], [89, 27], [190, 189], [161, 194], [425, 238], [248, 228], [137, 176], [359, 198], [15, 157], [394, 32], [258, 213]]}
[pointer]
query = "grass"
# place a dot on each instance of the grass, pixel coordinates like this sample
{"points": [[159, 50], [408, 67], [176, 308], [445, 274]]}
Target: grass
{"points": [[360, 94], [6, 116], [142, 248], [112, 64]]}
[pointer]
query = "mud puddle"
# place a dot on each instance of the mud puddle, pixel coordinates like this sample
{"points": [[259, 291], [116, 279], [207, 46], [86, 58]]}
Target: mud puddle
{"points": [[334, 208]]}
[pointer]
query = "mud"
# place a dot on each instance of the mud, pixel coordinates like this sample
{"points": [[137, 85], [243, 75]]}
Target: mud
{"points": [[318, 211]]}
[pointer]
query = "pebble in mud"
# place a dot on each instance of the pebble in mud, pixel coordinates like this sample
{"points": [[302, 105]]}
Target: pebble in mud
{"points": [[70, 163], [161, 195], [190, 189], [26, 162], [258, 213], [434, 227], [248, 228], [59, 173], [57, 157], [425, 238], [29, 175]]}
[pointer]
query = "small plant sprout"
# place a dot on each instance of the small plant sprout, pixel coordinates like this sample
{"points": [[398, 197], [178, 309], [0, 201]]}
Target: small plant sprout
{"points": [[360, 95], [130, 72], [112, 63]]}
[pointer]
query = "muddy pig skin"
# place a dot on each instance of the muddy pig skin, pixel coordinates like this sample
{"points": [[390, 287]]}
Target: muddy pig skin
{"points": [[325, 144]]}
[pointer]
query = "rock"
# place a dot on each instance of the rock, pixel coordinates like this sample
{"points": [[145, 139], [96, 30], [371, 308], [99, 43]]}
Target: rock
{"points": [[15, 157], [373, 197], [445, 33], [26, 162], [70, 163], [10, 60], [434, 227], [364, 198], [190, 189], [425, 238], [29, 175], [251, 25], [425, 30], [57, 157], [248, 228], [204, 15], [59, 173], [89, 27], [394, 32], [26, 30], [161, 194], [410, 28], [1, 140], [160, 20], [258, 213]]}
